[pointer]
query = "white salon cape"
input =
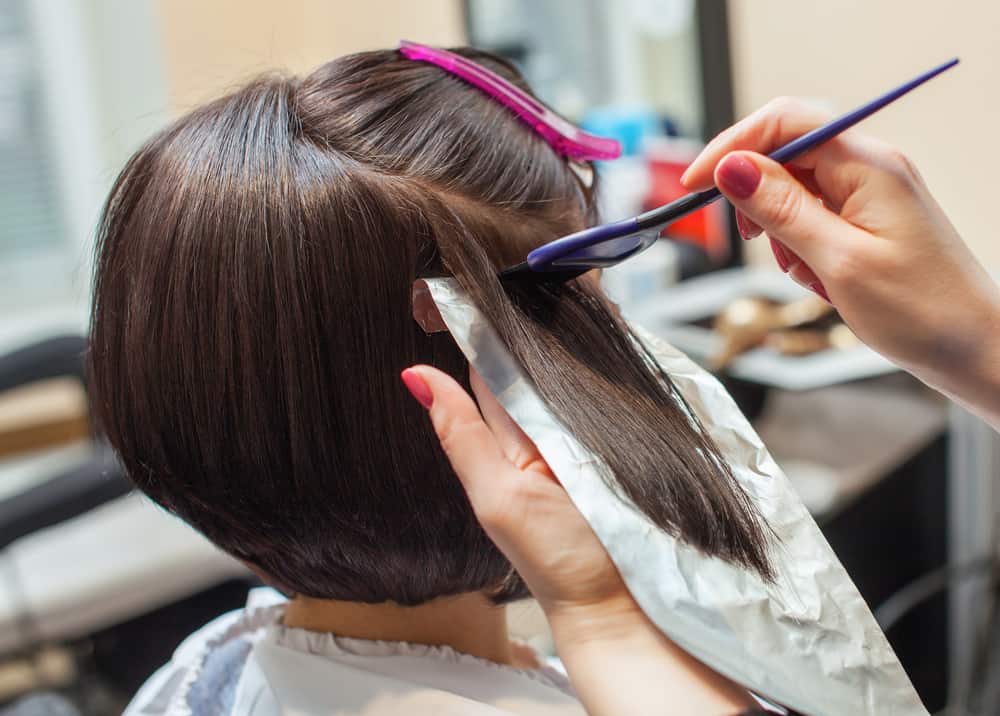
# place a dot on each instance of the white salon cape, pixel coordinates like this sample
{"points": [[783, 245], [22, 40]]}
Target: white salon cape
{"points": [[247, 663]]}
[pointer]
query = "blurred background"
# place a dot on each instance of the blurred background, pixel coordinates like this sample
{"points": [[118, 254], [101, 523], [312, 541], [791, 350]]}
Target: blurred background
{"points": [[97, 587]]}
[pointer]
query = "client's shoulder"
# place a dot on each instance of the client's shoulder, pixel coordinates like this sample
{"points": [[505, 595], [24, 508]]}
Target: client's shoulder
{"points": [[204, 671]]}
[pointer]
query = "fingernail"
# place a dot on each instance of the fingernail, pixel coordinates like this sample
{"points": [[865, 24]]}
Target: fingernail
{"points": [[738, 176], [417, 387], [747, 228], [684, 176], [780, 255], [818, 288]]}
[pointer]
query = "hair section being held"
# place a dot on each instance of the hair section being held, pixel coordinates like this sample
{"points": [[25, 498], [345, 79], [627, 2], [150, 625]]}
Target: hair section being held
{"points": [[599, 380]]}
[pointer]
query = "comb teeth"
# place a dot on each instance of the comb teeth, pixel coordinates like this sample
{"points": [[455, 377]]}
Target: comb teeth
{"points": [[523, 272], [513, 271]]}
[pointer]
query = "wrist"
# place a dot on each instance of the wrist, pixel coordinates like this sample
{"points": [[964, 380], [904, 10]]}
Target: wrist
{"points": [[972, 379], [620, 662], [616, 618], [983, 392]]}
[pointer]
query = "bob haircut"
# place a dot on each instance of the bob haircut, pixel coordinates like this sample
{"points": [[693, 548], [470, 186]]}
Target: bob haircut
{"points": [[252, 313]]}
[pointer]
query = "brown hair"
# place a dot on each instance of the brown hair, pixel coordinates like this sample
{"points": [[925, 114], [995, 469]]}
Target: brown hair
{"points": [[252, 314]]}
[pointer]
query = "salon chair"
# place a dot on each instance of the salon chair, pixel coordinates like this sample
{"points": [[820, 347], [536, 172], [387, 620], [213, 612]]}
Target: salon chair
{"points": [[43, 405], [33, 375], [85, 561]]}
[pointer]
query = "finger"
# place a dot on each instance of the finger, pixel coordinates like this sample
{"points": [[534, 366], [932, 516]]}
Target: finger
{"points": [[748, 230], [518, 448], [797, 269], [471, 448], [783, 255], [769, 196], [803, 275], [772, 126], [805, 177], [832, 195]]}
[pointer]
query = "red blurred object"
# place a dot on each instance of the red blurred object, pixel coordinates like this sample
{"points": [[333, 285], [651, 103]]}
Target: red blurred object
{"points": [[667, 159]]}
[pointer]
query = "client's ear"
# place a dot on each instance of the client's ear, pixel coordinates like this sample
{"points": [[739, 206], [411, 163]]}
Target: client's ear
{"points": [[425, 311]]}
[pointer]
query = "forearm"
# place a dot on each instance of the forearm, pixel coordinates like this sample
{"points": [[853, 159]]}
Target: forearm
{"points": [[979, 393], [621, 664], [970, 375]]}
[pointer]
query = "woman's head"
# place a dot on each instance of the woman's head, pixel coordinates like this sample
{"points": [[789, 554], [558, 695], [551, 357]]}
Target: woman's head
{"points": [[253, 312]]}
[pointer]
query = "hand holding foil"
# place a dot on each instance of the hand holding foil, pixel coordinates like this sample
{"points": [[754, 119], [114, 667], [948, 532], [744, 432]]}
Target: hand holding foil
{"points": [[805, 639], [617, 659]]}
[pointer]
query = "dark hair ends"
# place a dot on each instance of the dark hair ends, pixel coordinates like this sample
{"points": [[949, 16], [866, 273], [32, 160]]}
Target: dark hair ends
{"points": [[252, 313]]}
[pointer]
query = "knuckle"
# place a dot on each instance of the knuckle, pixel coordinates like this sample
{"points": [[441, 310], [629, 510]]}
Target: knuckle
{"points": [[851, 266], [452, 433], [772, 116], [792, 107], [792, 112], [785, 116], [895, 162], [902, 166], [785, 207], [523, 456], [783, 105]]}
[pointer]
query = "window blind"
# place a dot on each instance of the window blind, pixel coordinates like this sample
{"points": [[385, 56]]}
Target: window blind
{"points": [[30, 218]]}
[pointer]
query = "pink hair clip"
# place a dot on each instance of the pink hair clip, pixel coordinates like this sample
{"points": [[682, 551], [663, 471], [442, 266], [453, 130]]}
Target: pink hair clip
{"points": [[566, 138]]}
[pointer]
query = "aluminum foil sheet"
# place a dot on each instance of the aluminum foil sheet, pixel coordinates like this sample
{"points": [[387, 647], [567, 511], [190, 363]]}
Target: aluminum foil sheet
{"points": [[807, 641]]}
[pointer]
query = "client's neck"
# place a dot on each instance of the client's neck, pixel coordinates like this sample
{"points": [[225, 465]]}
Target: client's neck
{"points": [[468, 623]]}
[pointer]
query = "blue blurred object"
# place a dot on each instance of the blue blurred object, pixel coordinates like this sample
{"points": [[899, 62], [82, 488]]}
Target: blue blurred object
{"points": [[42, 704], [670, 128], [629, 125]]}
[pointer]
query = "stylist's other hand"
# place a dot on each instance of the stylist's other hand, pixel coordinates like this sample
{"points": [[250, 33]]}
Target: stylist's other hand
{"points": [[853, 221], [517, 499], [618, 661]]}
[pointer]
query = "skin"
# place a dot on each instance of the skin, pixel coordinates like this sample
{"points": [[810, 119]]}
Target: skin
{"points": [[883, 249], [877, 246], [468, 623], [618, 661]]}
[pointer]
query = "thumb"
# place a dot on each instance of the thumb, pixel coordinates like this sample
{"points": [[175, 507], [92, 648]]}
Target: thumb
{"points": [[767, 194]]}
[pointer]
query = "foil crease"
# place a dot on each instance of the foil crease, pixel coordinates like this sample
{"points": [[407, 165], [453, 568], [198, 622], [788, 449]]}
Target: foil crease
{"points": [[807, 641]]}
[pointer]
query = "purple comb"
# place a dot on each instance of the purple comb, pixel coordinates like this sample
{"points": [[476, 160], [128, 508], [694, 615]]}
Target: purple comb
{"points": [[566, 138], [609, 244]]}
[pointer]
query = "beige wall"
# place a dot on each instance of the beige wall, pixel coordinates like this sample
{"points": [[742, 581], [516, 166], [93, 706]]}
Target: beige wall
{"points": [[841, 51], [210, 46], [847, 51]]}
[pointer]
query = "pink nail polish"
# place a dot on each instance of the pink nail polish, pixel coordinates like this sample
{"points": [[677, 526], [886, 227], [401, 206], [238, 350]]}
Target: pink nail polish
{"points": [[780, 255], [417, 387], [820, 290], [748, 229], [738, 176]]}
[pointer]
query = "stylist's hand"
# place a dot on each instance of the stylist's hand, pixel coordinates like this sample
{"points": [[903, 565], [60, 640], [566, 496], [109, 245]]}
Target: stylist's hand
{"points": [[617, 659], [518, 500], [878, 246]]}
